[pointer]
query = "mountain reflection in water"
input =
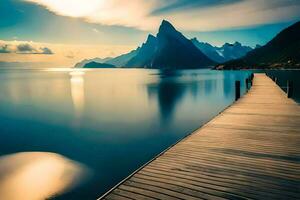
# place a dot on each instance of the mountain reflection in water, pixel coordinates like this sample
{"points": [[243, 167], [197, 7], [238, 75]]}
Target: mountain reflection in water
{"points": [[37, 175]]}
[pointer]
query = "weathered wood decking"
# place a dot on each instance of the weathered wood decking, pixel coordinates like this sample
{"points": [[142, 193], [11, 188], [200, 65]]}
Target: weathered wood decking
{"points": [[249, 151]]}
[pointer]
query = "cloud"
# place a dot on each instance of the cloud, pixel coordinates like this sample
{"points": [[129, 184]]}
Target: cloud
{"points": [[70, 55], [191, 15], [95, 30], [46, 50], [241, 14], [4, 49], [133, 13], [178, 5], [29, 49], [25, 48]]}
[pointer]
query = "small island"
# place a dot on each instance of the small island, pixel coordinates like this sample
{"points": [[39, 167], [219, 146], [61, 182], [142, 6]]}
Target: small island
{"points": [[98, 65]]}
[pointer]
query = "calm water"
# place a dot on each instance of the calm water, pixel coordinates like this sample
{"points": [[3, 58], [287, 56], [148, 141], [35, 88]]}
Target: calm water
{"points": [[284, 76], [95, 127]]}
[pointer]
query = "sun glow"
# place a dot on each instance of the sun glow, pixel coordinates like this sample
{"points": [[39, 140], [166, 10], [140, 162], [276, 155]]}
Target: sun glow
{"points": [[77, 91], [140, 13], [71, 8], [134, 13]]}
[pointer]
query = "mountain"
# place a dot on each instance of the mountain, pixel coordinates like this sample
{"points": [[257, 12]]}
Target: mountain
{"points": [[119, 61], [224, 53], [145, 53], [85, 61], [234, 51], [169, 50], [98, 65], [175, 51], [257, 46], [283, 51], [122, 60], [209, 50]]}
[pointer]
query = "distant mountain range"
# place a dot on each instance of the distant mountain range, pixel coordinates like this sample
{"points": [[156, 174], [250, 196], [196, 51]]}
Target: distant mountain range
{"points": [[281, 52], [224, 53], [168, 50]]}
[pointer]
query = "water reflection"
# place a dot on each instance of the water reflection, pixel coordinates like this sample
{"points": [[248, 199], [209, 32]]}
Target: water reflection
{"points": [[167, 94], [123, 117], [77, 91], [228, 80], [37, 175], [172, 88]]}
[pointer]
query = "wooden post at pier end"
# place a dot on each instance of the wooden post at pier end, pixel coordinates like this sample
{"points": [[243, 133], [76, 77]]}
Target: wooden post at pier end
{"points": [[290, 89], [237, 90], [251, 79], [247, 84]]}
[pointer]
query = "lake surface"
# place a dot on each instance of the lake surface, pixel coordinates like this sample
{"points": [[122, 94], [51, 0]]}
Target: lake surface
{"points": [[284, 76], [98, 126]]}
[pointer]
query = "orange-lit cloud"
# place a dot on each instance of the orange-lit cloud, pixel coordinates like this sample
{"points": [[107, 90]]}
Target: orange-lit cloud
{"points": [[139, 13], [133, 13]]}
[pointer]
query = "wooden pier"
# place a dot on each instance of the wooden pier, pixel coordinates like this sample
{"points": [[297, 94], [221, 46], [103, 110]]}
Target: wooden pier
{"points": [[249, 151]]}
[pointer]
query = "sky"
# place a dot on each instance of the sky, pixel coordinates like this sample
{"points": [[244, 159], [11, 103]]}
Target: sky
{"points": [[60, 33]]}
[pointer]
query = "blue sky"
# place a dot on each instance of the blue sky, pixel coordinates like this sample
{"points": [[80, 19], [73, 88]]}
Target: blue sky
{"points": [[108, 28]]}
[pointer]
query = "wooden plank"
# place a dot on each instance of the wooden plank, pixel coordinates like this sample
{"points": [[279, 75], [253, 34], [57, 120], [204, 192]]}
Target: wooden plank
{"points": [[249, 151], [117, 197], [129, 194], [210, 182], [146, 191], [178, 170]]}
